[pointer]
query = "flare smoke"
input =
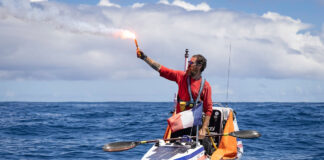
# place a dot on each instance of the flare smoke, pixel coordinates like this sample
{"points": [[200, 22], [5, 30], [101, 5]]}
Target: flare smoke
{"points": [[58, 16]]}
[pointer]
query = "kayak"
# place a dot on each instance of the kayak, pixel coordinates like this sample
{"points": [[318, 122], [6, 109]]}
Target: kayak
{"points": [[221, 142], [190, 149]]}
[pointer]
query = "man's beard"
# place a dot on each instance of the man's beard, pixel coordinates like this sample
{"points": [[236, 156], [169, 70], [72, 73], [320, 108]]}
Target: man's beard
{"points": [[191, 72]]}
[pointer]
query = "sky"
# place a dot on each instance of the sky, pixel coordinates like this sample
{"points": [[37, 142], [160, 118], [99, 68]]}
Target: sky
{"points": [[71, 50]]}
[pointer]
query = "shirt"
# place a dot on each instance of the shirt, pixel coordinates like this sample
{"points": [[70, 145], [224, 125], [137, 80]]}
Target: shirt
{"points": [[180, 78]]}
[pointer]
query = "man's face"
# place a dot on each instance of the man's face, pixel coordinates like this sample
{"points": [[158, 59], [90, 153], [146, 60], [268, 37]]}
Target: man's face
{"points": [[193, 67]]}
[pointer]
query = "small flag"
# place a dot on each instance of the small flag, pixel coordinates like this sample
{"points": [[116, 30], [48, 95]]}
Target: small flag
{"points": [[186, 119]]}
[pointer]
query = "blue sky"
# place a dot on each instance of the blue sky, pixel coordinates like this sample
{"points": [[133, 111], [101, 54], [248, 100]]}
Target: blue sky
{"points": [[67, 50]]}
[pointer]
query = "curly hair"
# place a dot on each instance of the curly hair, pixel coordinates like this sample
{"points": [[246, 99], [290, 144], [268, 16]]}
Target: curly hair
{"points": [[201, 60]]}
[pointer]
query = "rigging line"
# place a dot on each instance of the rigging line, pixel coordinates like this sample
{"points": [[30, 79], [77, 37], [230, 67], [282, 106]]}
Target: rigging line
{"points": [[228, 72]]}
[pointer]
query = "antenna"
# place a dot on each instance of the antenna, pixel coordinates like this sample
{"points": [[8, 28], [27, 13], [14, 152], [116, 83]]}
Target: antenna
{"points": [[228, 72]]}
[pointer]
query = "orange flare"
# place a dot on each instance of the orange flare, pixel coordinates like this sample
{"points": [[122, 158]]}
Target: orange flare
{"points": [[136, 44]]}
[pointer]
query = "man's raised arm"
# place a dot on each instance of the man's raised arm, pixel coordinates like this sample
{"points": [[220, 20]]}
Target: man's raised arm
{"points": [[140, 54]]}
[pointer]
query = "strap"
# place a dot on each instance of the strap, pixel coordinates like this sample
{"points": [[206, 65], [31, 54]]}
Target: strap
{"points": [[200, 90], [189, 89]]}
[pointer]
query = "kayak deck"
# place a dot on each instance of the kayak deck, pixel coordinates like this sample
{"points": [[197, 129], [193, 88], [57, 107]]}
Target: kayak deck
{"points": [[176, 151]]}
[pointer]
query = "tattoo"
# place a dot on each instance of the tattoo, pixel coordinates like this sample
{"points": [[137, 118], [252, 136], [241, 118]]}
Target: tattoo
{"points": [[156, 66]]}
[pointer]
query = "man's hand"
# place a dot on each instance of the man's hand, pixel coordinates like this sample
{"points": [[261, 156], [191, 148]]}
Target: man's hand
{"points": [[140, 54], [202, 133]]}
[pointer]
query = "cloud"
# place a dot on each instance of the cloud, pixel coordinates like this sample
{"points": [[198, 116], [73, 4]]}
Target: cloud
{"points": [[218, 90], [38, 1], [107, 3], [320, 2], [9, 94], [138, 5], [322, 33], [56, 41], [188, 6], [166, 2]]}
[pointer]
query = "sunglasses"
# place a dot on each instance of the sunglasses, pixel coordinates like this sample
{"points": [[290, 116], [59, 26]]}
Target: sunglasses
{"points": [[190, 62]]}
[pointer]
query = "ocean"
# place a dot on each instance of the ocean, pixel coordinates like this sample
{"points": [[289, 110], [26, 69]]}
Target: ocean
{"points": [[78, 130]]}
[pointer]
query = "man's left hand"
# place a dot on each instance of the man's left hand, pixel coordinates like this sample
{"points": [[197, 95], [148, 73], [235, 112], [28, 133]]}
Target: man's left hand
{"points": [[140, 54]]}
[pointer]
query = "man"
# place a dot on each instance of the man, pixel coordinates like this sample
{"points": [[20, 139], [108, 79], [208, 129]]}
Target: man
{"points": [[196, 66]]}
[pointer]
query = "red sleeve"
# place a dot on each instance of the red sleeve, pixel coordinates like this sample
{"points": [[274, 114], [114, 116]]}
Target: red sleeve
{"points": [[170, 74], [208, 103]]}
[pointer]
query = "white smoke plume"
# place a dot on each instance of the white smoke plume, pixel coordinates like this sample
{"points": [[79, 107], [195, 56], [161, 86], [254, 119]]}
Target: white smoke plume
{"points": [[59, 16]]}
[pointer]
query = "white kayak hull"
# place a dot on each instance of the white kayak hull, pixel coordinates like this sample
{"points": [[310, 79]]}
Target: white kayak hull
{"points": [[175, 152]]}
